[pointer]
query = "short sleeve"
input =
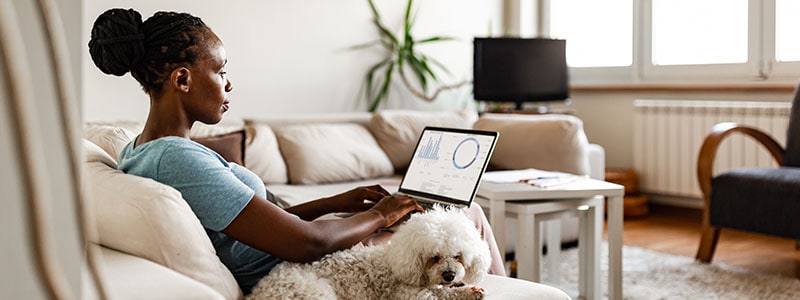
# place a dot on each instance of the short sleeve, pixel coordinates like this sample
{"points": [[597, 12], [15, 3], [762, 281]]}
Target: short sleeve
{"points": [[207, 183]]}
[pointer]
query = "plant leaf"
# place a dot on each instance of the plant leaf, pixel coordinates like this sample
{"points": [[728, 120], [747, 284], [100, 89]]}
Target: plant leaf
{"points": [[435, 39], [365, 45], [419, 70], [384, 89], [438, 64], [371, 74], [376, 19], [407, 20]]}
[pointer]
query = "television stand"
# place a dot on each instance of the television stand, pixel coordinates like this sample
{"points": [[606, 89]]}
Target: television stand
{"points": [[544, 111], [520, 108]]}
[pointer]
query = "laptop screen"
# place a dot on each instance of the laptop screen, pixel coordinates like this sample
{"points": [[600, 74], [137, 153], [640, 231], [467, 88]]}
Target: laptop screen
{"points": [[448, 163]]}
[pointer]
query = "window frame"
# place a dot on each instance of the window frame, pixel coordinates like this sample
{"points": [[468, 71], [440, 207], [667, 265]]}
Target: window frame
{"points": [[761, 63]]}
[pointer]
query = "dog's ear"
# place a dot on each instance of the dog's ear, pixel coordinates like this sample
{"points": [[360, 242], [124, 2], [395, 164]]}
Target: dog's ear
{"points": [[406, 262], [477, 263]]}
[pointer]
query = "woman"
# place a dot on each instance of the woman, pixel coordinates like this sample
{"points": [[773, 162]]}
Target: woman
{"points": [[180, 64]]}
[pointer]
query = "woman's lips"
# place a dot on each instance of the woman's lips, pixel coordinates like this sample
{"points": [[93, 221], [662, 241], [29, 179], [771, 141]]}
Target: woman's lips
{"points": [[226, 106]]}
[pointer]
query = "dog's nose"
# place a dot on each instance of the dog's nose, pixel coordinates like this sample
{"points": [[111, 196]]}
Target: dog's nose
{"points": [[448, 276]]}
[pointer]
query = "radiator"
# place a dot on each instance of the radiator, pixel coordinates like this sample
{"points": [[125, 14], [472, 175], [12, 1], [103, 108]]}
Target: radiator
{"points": [[667, 135]]}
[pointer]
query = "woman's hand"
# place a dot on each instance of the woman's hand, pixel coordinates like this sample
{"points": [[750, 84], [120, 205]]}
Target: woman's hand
{"points": [[358, 199], [393, 208]]}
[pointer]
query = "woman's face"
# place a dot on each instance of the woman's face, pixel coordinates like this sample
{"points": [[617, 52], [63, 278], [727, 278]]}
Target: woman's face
{"points": [[210, 86]]}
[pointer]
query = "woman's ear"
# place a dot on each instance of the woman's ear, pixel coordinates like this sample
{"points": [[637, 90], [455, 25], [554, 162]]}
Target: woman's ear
{"points": [[181, 79]]}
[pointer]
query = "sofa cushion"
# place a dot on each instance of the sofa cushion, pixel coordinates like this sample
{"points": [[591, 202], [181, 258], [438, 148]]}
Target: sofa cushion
{"points": [[546, 142], [148, 219], [319, 153], [295, 194], [397, 131], [262, 155], [108, 137], [131, 277]]}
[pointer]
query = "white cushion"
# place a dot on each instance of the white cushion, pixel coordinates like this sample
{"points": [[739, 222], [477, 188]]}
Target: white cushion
{"points": [[148, 219], [397, 131], [131, 277], [546, 142], [130, 125], [321, 153], [499, 287], [109, 138], [262, 155], [93, 153], [295, 194]]}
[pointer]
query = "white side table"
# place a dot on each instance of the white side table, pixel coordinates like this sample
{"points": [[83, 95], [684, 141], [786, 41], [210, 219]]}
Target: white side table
{"points": [[532, 204]]}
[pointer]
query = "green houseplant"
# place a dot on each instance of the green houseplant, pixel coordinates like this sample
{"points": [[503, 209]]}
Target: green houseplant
{"points": [[402, 56]]}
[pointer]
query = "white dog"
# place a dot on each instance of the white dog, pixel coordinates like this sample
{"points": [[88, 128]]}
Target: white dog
{"points": [[434, 255]]}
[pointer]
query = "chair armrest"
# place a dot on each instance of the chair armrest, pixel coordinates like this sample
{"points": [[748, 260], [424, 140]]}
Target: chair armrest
{"points": [[708, 151]]}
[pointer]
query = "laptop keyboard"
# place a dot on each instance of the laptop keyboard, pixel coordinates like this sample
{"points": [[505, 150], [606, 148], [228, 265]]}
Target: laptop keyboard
{"points": [[426, 204]]}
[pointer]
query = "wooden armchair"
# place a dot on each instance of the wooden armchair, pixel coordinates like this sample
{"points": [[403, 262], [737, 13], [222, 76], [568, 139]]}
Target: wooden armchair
{"points": [[763, 200]]}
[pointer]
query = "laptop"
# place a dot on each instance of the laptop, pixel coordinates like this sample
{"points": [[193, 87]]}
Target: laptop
{"points": [[447, 166]]}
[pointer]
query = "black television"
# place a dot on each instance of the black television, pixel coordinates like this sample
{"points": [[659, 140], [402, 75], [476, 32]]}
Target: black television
{"points": [[520, 70]]}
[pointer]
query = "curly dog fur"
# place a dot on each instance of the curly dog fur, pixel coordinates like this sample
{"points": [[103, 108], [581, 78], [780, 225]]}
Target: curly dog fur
{"points": [[434, 255]]}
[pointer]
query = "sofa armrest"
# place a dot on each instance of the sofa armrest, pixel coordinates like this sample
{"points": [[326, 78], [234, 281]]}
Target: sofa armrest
{"points": [[597, 161], [125, 276]]}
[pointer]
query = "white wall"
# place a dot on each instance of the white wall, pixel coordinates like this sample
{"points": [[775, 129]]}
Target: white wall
{"points": [[292, 56]]}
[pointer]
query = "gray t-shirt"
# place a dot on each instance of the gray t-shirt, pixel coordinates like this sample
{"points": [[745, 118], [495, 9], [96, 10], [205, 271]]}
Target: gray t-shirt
{"points": [[216, 190]]}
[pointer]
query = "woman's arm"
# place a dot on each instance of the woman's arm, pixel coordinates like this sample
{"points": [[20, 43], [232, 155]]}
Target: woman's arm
{"points": [[355, 200], [271, 229]]}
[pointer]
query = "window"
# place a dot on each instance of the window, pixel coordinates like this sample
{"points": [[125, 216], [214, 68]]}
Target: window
{"points": [[787, 30], [621, 41], [689, 32], [609, 39]]}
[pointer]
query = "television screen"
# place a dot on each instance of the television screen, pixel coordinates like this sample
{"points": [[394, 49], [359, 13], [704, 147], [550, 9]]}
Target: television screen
{"points": [[520, 70]]}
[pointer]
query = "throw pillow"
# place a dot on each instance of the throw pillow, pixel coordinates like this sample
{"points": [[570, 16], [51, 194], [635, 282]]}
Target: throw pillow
{"points": [[142, 217], [262, 155], [322, 153], [230, 146], [545, 142], [397, 131]]}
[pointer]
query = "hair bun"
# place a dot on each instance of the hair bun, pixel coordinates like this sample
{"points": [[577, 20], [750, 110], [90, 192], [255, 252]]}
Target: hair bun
{"points": [[116, 42]]}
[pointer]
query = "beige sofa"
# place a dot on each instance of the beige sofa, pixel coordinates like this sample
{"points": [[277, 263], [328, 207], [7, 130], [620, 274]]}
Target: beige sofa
{"points": [[153, 247]]}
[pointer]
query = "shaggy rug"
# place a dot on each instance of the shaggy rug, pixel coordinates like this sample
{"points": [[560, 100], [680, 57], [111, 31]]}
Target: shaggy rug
{"points": [[652, 275]]}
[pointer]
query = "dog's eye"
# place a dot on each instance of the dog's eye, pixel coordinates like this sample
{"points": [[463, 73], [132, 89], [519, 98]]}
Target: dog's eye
{"points": [[457, 256], [435, 259]]}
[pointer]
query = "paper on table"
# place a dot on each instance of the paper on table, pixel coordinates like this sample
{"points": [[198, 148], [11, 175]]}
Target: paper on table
{"points": [[525, 175]]}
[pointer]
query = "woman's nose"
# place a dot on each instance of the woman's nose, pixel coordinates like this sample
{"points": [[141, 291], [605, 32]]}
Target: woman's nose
{"points": [[228, 87]]}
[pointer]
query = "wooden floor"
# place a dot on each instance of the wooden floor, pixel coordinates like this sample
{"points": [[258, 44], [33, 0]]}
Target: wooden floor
{"points": [[675, 230]]}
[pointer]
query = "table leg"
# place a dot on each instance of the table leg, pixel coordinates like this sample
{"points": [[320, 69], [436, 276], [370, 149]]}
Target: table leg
{"points": [[615, 247], [529, 248], [553, 229], [497, 218]]}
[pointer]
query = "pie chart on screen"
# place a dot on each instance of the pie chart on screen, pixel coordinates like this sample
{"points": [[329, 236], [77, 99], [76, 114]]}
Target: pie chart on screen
{"points": [[466, 153]]}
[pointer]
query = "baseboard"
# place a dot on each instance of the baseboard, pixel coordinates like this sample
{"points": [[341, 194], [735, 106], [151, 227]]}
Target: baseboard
{"points": [[670, 200]]}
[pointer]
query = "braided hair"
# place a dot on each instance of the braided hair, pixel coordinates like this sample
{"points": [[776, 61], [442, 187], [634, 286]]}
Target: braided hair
{"points": [[120, 42]]}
